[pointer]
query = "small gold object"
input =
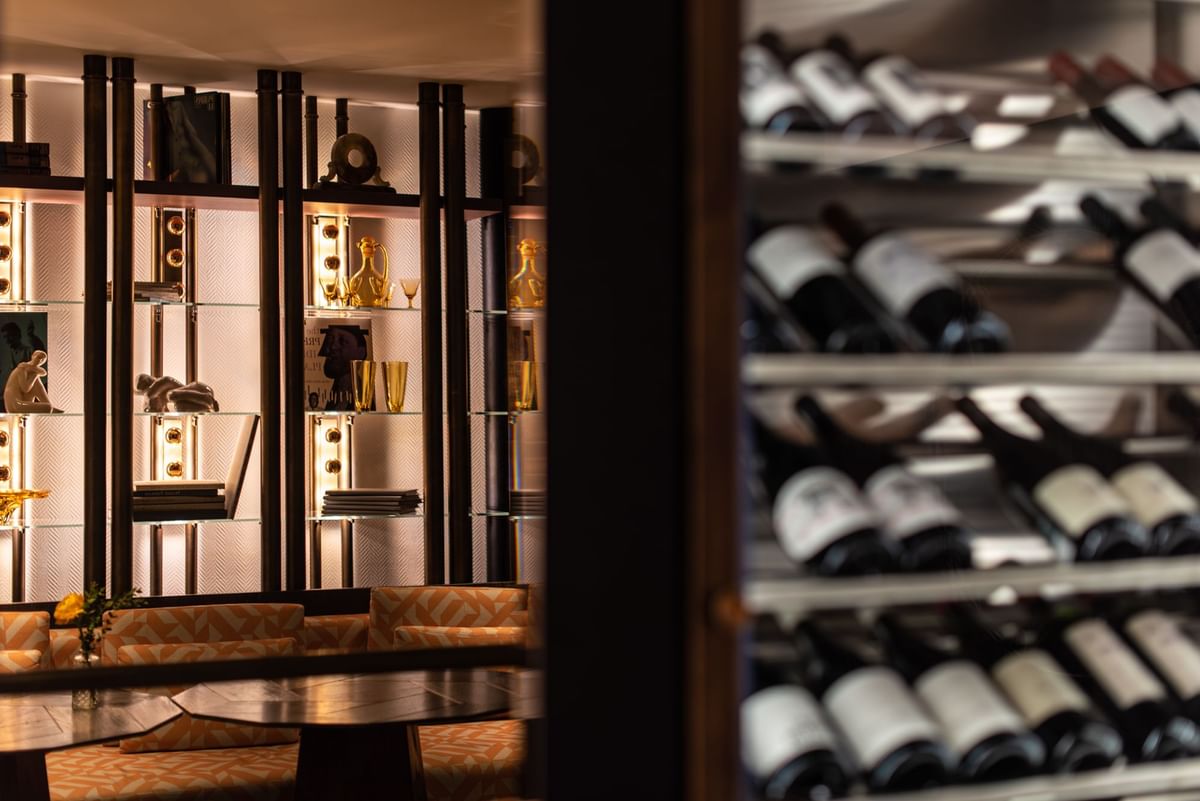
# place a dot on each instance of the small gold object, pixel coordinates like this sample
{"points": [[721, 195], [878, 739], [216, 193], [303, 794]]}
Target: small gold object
{"points": [[174, 435], [5, 219], [11, 500], [330, 231], [410, 287], [175, 225], [363, 373], [175, 469], [3, 439], [332, 262], [333, 466], [368, 286], [524, 379], [527, 289], [175, 257], [5, 285], [5, 252], [395, 380], [5, 472], [333, 435]]}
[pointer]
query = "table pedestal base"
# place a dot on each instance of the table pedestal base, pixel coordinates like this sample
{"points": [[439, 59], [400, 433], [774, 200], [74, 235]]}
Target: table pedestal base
{"points": [[353, 763], [23, 776]]}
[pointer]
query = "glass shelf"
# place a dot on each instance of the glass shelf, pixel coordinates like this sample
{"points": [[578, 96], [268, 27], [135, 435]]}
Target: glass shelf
{"points": [[185, 521], [355, 311], [47, 524], [361, 414], [42, 304], [322, 518]]}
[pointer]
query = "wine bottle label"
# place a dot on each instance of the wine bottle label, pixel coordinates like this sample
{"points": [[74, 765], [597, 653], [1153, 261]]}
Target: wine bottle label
{"points": [[766, 87], [779, 724], [1146, 115], [1176, 655], [1038, 686], [1076, 498], [788, 257], [899, 273], [904, 90], [1186, 103], [1153, 494], [965, 704], [877, 713], [816, 507], [1123, 678], [908, 504], [1163, 261], [830, 83]]}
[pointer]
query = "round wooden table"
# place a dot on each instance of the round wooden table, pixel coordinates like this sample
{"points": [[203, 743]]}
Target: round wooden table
{"points": [[32, 724], [358, 732]]}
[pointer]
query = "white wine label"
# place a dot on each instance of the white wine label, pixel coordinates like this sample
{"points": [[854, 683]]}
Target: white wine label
{"points": [[965, 704], [1163, 261], [900, 273], [766, 87], [788, 257], [1076, 498], [908, 504], [1186, 103], [831, 84], [1144, 113], [904, 90], [818, 506], [1117, 669], [779, 724], [1038, 687], [1176, 655], [1153, 493], [877, 713]]}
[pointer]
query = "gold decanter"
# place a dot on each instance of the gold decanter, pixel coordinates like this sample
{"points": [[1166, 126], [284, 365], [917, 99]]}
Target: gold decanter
{"points": [[368, 286], [527, 289]]}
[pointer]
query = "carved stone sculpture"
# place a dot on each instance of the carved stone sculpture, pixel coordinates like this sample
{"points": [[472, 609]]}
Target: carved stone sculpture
{"points": [[24, 391], [167, 394]]}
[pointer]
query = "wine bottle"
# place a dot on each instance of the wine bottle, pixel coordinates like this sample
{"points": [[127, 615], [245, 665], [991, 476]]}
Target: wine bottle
{"points": [[1051, 704], [914, 511], [811, 283], [1184, 99], [978, 724], [1159, 215], [770, 100], [1174, 656], [838, 100], [819, 516], [1182, 405], [788, 748], [1164, 507], [1133, 113], [1159, 261], [922, 110], [1067, 500], [915, 287], [890, 736], [1130, 694], [761, 331]]}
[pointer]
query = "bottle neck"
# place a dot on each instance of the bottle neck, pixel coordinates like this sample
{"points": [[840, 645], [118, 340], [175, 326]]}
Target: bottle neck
{"points": [[839, 220], [1105, 220]]}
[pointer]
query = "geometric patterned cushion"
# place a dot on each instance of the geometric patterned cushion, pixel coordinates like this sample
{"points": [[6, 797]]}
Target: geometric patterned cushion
{"points": [[64, 644], [24, 631], [229, 774], [417, 638], [20, 661], [216, 623], [335, 634], [186, 733], [473, 761], [442, 606]]}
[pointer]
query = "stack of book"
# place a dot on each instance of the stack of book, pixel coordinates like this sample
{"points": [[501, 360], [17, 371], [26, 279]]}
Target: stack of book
{"points": [[178, 500], [370, 502], [25, 158]]}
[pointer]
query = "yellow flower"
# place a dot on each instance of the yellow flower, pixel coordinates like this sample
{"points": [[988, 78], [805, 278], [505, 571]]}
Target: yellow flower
{"points": [[68, 609]]}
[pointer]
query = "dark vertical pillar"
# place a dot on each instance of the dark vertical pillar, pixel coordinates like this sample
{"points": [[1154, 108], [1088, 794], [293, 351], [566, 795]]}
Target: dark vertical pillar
{"points": [[429, 159], [341, 116], [18, 107], [495, 128], [293, 326], [310, 141], [155, 135], [454, 155], [95, 316], [268, 290]]}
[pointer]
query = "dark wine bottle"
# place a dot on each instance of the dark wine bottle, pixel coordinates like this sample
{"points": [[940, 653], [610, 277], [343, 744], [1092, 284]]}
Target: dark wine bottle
{"points": [[1183, 406], [988, 736], [915, 287], [1159, 261], [1133, 113], [819, 516], [1175, 657], [1184, 99], [1164, 507], [761, 331], [811, 283], [894, 743], [914, 511], [1076, 737], [1067, 500], [788, 748], [770, 100], [1159, 215], [1130, 694]]}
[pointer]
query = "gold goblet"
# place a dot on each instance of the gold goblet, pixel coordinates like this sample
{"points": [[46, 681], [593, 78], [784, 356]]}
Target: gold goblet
{"points": [[410, 287]]}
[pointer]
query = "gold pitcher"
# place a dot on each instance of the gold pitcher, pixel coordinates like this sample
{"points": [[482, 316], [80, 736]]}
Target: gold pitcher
{"points": [[527, 289], [368, 286]]}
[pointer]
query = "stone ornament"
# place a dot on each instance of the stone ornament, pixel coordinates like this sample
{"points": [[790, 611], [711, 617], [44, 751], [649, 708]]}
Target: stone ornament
{"points": [[167, 394], [24, 392]]}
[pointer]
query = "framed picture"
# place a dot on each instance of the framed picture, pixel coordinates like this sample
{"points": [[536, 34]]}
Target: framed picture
{"points": [[330, 344], [21, 333]]}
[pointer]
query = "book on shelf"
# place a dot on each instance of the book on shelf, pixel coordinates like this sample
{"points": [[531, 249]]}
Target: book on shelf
{"points": [[330, 344], [195, 140]]}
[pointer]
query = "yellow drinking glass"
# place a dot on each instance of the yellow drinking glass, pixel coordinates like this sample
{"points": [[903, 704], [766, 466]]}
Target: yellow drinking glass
{"points": [[363, 373], [395, 380]]}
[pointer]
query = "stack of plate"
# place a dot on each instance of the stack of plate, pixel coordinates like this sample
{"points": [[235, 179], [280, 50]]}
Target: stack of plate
{"points": [[371, 502], [527, 503]]}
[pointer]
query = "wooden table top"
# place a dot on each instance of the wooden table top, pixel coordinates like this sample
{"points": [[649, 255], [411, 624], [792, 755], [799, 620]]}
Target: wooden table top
{"points": [[45, 721], [432, 696]]}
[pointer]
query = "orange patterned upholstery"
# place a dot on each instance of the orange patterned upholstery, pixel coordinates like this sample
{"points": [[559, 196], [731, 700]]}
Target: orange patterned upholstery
{"points": [[64, 644], [216, 623], [20, 661], [442, 606], [473, 761], [419, 638], [266, 773], [24, 640], [335, 634]]}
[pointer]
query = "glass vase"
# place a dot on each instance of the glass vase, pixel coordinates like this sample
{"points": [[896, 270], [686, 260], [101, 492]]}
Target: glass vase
{"points": [[86, 698]]}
